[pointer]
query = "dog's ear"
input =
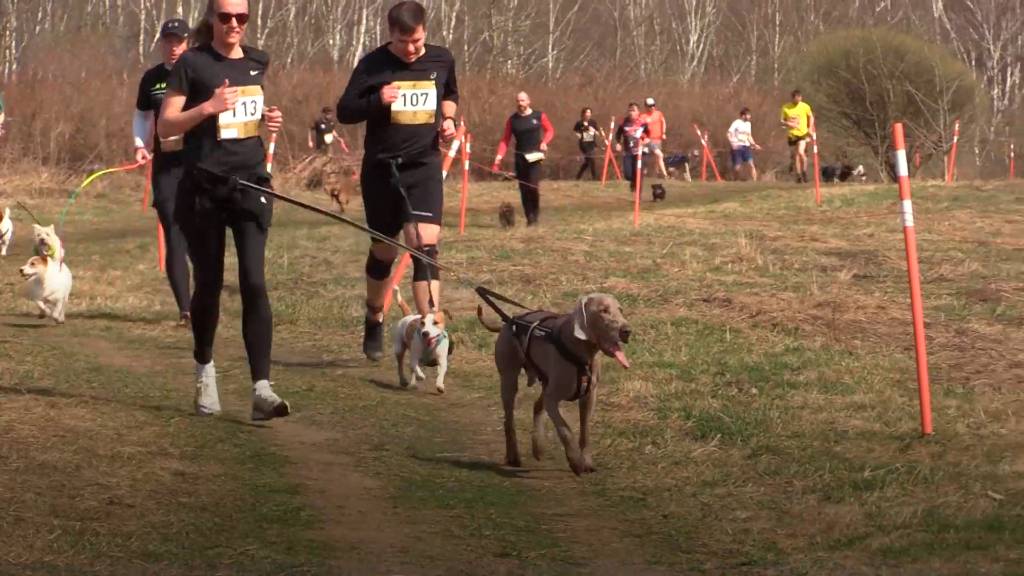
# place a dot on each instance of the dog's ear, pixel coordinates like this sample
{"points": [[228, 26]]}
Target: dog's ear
{"points": [[579, 319], [447, 314]]}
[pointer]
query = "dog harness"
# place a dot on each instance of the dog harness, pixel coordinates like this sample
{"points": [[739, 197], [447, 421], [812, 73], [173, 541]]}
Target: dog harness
{"points": [[545, 325]]}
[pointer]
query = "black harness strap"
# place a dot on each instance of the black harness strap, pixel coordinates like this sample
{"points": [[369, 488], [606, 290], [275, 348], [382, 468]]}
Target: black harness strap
{"points": [[545, 325]]}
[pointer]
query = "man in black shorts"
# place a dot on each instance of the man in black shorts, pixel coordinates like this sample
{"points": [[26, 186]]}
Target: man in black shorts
{"points": [[168, 163], [407, 94]]}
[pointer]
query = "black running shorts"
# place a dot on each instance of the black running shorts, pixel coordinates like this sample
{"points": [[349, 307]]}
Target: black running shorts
{"points": [[386, 209]]}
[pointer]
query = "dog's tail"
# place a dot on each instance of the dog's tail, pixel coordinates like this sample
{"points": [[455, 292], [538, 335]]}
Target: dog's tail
{"points": [[486, 323], [406, 311]]}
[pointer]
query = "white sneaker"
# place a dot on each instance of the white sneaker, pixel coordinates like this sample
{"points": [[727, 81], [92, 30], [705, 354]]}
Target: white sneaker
{"points": [[265, 404], [207, 401]]}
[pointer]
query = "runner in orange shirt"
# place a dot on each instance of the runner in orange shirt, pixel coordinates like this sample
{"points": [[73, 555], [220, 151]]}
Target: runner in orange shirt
{"points": [[657, 129]]}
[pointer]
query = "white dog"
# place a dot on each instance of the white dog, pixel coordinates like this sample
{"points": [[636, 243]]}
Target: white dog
{"points": [[426, 341], [48, 284], [47, 243], [6, 231]]}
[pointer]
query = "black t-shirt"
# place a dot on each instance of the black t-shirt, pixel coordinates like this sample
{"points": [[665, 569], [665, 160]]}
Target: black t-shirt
{"points": [[322, 127], [152, 89], [197, 74], [528, 130], [387, 133], [588, 138], [630, 133]]}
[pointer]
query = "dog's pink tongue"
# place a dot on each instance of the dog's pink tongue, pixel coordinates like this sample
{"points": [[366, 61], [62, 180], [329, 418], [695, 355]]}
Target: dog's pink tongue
{"points": [[620, 357]]}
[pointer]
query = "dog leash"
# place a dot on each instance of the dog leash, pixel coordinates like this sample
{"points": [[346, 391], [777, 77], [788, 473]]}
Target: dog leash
{"points": [[89, 180], [396, 183], [29, 212]]}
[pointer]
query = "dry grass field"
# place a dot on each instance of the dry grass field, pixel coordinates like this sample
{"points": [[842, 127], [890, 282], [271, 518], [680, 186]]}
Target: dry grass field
{"points": [[769, 424]]}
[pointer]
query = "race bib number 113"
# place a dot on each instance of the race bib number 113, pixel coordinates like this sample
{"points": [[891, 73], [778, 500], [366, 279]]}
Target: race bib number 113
{"points": [[416, 104], [244, 120]]}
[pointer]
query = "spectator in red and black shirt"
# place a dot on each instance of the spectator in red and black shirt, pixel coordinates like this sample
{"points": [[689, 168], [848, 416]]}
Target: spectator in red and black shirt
{"points": [[629, 139], [532, 131]]}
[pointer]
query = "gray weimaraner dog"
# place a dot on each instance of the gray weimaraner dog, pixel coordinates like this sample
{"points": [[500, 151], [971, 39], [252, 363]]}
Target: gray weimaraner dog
{"points": [[562, 351]]}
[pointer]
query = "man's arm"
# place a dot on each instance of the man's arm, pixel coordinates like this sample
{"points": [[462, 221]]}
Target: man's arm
{"points": [[360, 100], [664, 127], [506, 138], [549, 131]]}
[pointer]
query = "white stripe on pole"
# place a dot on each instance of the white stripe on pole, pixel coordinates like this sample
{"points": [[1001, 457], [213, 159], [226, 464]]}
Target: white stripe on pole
{"points": [[901, 164], [907, 213]]}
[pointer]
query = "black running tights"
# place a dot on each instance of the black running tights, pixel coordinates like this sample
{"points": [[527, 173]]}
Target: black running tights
{"points": [[206, 240]]}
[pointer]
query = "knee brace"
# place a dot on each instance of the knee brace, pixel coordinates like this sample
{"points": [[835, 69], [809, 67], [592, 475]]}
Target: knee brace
{"points": [[377, 269], [424, 271]]}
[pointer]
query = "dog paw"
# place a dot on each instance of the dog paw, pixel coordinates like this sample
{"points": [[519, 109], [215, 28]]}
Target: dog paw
{"points": [[419, 375], [403, 383], [440, 388], [513, 461], [577, 467], [538, 450]]}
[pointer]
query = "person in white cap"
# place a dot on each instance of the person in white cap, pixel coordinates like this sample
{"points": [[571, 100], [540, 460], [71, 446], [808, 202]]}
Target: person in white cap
{"points": [[657, 130]]}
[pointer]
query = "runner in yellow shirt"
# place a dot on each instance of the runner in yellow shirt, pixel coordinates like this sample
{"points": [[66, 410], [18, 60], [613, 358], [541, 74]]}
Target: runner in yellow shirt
{"points": [[798, 118]]}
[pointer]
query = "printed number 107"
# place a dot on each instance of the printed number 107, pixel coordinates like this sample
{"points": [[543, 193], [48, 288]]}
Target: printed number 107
{"points": [[414, 99]]}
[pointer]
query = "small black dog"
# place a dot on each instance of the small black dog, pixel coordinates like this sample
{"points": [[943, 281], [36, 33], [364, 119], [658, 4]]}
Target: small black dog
{"points": [[506, 216], [837, 173], [657, 192]]}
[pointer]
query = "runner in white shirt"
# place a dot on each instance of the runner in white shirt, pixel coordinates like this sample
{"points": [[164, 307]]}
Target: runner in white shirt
{"points": [[741, 139]]}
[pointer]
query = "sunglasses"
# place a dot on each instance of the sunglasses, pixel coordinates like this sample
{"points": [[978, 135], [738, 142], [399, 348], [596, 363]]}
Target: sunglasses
{"points": [[225, 18]]}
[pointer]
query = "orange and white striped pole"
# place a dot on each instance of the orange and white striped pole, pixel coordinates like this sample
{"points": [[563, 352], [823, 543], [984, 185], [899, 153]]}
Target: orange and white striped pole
{"points": [[703, 154], [161, 247], [951, 168], [817, 169], [464, 201], [453, 150], [396, 277], [1013, 169], [708, 157], [913, 271], [609, 155], [639, 182], [148, 185], [270, 152]]}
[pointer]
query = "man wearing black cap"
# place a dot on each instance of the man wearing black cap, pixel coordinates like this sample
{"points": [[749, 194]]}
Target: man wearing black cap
{"points": [[166, 156]]}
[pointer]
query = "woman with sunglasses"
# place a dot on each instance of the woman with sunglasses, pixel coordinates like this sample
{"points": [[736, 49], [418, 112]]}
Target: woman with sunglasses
{"points": [[215, 98]]}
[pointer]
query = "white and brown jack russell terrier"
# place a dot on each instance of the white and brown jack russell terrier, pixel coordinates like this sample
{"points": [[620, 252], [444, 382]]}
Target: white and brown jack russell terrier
{"points": [[425, 340]]}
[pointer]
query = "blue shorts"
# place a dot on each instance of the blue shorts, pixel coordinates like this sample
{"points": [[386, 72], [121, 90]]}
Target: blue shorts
{"points": [[741, 155]]}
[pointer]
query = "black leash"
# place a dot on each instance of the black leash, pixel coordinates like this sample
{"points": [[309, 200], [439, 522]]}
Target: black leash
{"points": [[486, 294], [396, 183], [29, 212]]}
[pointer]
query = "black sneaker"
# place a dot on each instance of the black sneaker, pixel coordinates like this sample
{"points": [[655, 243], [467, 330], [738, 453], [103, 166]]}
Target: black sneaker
{"points": [[373, 339]]}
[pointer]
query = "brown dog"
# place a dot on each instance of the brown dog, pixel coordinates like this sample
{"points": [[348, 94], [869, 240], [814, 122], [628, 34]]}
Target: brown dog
{"points": [[563, 352], [506, 216]]}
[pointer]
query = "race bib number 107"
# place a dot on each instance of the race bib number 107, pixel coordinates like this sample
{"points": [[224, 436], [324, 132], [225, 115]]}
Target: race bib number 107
{"points": [[416, 104], [244, 120]]}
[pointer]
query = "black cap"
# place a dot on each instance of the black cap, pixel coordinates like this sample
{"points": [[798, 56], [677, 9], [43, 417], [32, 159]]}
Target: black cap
{"points": [[175, 27]]}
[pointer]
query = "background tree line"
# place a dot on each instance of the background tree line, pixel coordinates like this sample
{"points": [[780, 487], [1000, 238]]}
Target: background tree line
{"points": [[685, 48]]}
